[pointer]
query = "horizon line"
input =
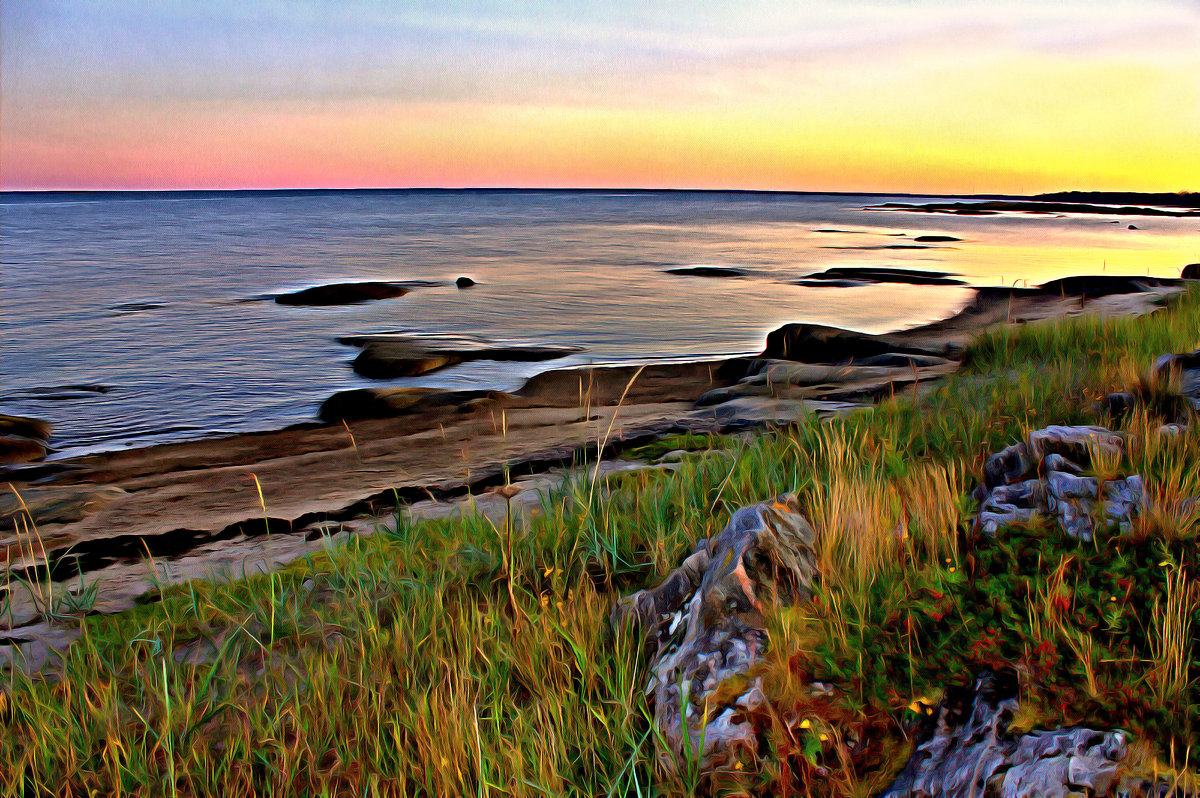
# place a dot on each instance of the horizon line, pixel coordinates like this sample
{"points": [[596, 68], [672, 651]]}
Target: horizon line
{"points": [[561, 189]]}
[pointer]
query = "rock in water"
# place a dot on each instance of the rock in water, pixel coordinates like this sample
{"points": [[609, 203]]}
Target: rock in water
{"points": [[388, 355], [464, 282], [343, 294], [704, 625], [968, 753]]}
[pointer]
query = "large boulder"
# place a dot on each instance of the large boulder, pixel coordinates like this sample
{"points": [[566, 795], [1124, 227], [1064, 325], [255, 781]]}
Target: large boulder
{"points": [[967, 752], [704, 626], [1191, 271]]}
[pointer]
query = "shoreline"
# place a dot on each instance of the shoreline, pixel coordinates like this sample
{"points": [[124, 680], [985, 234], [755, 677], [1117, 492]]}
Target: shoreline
{"points": [[271, 497]]}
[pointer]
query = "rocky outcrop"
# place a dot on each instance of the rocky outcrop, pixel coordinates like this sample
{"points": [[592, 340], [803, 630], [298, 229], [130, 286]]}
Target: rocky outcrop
{"points": [[704, 627], [1191, 271], [1043, 476], [967, 752], [343, 293], [873, 275], [388, 355]]}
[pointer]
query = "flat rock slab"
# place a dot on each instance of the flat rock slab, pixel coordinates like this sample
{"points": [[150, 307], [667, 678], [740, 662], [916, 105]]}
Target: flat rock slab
{"points": [[706, 271], [868, 275], [389, 355]]}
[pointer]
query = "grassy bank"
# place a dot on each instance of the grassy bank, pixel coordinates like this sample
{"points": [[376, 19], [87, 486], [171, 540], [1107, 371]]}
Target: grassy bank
{"points": [[461, 657]]}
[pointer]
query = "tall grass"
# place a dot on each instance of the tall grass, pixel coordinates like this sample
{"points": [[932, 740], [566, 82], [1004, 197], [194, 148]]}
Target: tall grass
{"points": [[396, 664]]}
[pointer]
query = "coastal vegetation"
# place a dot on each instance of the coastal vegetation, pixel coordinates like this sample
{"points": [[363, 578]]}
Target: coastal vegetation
{"points": [[465, 656]]}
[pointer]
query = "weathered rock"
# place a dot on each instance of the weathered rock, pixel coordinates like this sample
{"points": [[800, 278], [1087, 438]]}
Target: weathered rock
{"points": [[15, 449], [704, 625], [967, 752], [815, 343], [343, 293], [1074, 443], [22, 439], [1183, 367], [388, 355], [24, 427], [1043, 476]]}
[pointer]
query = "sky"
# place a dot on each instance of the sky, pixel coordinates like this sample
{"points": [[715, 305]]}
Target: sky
{"points": [[901, 96]]}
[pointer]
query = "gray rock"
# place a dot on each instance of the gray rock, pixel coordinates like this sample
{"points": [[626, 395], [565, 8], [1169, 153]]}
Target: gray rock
{"points": [[1074, 443], [1012, 493], [704, 626], [968, 753], [1007, 466]]}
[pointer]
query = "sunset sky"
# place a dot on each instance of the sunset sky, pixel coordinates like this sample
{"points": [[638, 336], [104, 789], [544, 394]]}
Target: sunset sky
{"points": [[909, 96]]}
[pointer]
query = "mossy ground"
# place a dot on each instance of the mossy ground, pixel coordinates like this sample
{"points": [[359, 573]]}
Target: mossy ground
{"points": [[461, 657]]}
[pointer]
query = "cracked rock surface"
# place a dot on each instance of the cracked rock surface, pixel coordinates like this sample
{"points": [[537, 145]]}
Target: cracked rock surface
{"points": [[1044, 476], [967, 752], [704, 625]]}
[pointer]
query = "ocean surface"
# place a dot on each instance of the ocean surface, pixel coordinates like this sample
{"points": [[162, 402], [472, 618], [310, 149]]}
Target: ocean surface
{"points": [[130, 319]]}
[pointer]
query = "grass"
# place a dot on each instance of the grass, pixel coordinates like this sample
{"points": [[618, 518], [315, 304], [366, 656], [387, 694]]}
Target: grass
{"points": [[458, 658]]}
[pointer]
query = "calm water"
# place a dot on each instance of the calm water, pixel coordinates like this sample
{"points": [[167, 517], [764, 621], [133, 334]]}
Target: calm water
{"points": [[154, 296]]}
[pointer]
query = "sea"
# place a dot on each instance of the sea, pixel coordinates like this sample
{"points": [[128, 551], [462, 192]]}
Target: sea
{"points": [[134, 318]]}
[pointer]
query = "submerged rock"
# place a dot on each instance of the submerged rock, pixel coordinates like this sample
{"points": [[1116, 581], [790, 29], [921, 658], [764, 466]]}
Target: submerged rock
{"points": [[967, 752], [704, 625]]}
